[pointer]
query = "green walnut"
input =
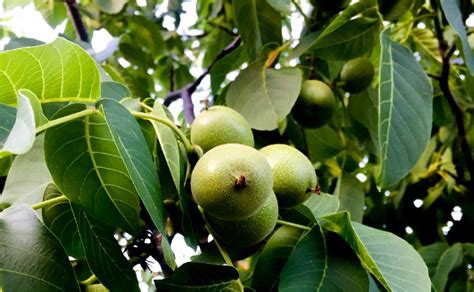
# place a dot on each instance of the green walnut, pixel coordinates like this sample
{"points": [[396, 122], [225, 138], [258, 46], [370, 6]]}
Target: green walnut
{"points": [[219, 125], [357, 75], [294, 178], [231, 181], [248, 231], [315, 104]]}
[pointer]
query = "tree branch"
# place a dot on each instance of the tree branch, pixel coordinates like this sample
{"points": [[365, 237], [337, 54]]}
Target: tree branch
{"points": [[186, 92], [75, 15], [446, 54]]}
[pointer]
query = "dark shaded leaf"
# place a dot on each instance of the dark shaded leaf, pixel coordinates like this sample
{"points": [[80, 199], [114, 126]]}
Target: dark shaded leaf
{"points": [[200, 277]]}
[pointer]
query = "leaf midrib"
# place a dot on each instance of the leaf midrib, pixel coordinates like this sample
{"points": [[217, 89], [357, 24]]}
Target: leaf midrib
{"points": [[87, 136]]}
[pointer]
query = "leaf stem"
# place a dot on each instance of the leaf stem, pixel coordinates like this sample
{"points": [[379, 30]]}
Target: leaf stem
{"points": [[299, 226], [176, 130], [446, 53], [221, 249], [49, 202], [89, 281], [145, 106], [65, 119]]}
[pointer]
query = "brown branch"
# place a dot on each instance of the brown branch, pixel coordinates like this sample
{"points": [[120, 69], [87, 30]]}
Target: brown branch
{"points": [[446, 54], [186, 92], [75, 15]]}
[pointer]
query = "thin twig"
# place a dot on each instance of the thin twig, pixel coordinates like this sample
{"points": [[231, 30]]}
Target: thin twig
{"points": [[79, 26], [186, 92], [446, 54]]}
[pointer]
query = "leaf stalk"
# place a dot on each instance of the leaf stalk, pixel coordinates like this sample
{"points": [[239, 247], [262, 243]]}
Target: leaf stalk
{"points": [[49, 202]]}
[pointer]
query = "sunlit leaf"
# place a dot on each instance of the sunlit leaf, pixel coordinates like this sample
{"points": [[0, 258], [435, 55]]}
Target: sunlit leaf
{"points": [[168, 144], [28, 177], [54, 72], [21, 136], [427, 41], [264, 96]]}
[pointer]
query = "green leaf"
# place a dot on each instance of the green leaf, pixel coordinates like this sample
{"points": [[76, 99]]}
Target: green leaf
{"points": [[259, 25], [306, 265], [225, 65], [351, 34], [52, 11], [264, 96], [145, 36], [111, 6], [28, 177], [5, 165], [282, 6], [137, 159], [193, 276], [168, 144], [305, 44], [393, 262], [431, 255], [273, 257], [40, 118], [22, 134], [427, 41], [363, 108], [87, 166], [32, 257], [59, 218], [405, 111], [349, 191], [344, 271], [213, 44], [114, 90], [7, 121], [319, 205], [72, 75], [22, 42], [323, 143], [449, 260], [103, 254], [10, 4], [453, 15], [86, 238]]}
